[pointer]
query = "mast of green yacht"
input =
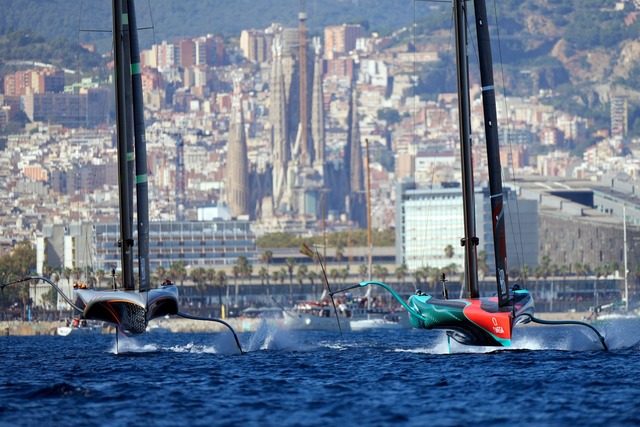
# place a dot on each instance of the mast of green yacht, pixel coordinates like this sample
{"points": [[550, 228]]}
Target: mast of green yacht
{"points": [[470, 240], [493, 151]]}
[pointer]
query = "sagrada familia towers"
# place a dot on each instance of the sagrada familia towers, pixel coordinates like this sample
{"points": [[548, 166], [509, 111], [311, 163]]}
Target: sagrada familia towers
{"points": [[237, 176], [300, 184]]}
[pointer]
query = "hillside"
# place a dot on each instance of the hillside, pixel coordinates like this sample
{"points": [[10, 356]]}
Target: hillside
{"points": [[584, 50], [173, 19]]}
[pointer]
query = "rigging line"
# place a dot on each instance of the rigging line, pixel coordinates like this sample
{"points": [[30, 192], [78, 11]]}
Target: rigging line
{"points": [[326, 281], [439, 119], [519, 244], [413, 139], [94, 30], [4, 307], [78, 60], [26, 279], [89, 30], [153, 26]]}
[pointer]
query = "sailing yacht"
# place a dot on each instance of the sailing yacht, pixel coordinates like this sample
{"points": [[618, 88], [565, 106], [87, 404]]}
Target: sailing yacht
{"points": [[472, 319], [130, 307]]}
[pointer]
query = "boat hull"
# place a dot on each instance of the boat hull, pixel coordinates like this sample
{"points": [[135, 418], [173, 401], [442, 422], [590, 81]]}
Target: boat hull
{"points": [[473, 321], [130, 311]]}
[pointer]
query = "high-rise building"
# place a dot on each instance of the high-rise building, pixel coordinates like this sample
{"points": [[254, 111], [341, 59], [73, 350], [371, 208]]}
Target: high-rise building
{"points": [[619, 116], [68, 109], [256, 45], [185, 50], [428, 220], [46, 80], [341, 39]]}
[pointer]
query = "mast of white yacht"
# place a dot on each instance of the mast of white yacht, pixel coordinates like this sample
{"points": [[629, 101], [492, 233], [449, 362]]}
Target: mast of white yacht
{"points": [[626, 274], [125, 144], [368, 189], [142, 186]]}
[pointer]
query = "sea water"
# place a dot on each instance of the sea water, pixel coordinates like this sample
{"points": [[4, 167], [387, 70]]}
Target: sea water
{"points": [[551, 376]]}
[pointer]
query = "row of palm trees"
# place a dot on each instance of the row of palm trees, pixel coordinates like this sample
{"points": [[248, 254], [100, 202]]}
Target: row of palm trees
{"points": [[301, 274]]}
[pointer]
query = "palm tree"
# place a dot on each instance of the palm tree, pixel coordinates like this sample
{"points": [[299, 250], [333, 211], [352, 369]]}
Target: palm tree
{"points": [[334, 273], [312, 276], [235, 272], [363, 272], [220, 283], [161, 273], [263, 274], [401, 272], [266, 257], [339, 255], [210, 275], [178, 271], [290, 262], [384, 273], [301, 274], [199, 275], [344, 273]]}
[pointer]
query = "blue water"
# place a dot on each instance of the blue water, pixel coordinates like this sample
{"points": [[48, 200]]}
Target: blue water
{"points": [[554, 376]]}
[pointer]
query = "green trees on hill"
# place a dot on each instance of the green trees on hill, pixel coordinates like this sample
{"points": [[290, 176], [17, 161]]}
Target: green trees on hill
{"points": [[27, 46]]}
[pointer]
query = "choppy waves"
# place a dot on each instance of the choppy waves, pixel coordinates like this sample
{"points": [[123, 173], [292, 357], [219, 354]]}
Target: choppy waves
{"points": [[550, 376]]}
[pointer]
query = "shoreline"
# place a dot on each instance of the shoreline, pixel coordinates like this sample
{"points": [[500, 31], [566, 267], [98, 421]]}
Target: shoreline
{"points": [[177, 325]]}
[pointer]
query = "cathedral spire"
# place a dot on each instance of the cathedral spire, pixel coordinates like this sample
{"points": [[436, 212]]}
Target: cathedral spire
{"points": [[237, 172], [278, 119], [317, 110], [356, 180]]}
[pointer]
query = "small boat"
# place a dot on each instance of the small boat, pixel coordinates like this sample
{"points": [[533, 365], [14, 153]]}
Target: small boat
{"points": [[385, 321], [613, 312], [158, 328], [317, 316], [321, 316], [78, 328]]}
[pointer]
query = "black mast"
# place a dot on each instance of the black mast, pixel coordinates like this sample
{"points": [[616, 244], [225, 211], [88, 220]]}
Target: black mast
{"points": [[142, 187], [124, 159], [493, 150], [470, 240]]}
